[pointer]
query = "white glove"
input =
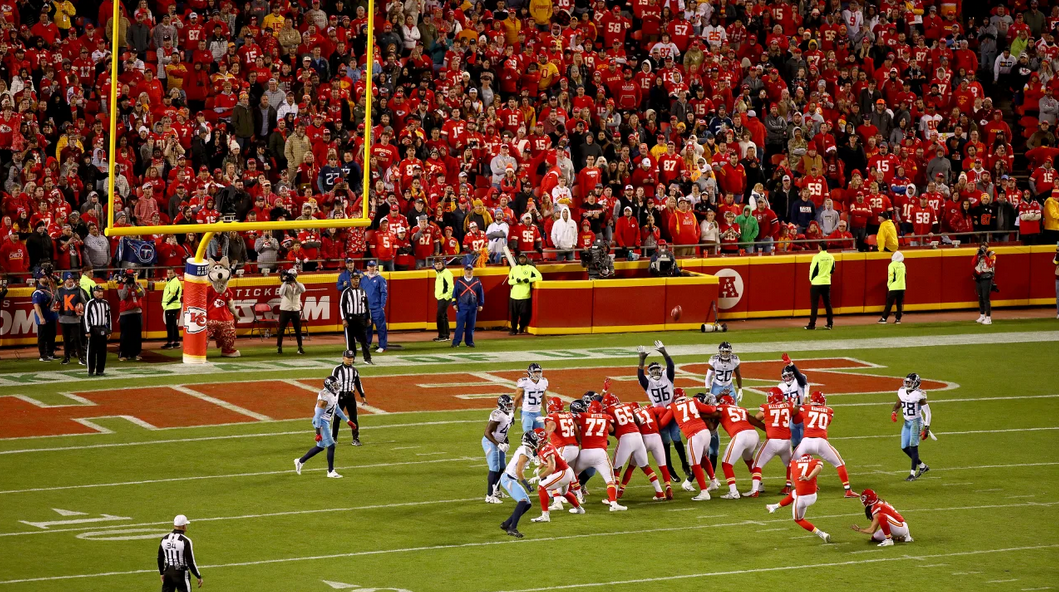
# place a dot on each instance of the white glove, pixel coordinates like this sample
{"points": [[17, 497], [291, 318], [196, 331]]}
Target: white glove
{"points": [[641, 350], [738, 396], [502, 447], [659, 346], [533, 479]]}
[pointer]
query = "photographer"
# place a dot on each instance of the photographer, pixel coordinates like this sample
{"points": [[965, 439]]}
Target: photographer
{"points": [[984, 270], [597, 261], [663, 263], [290, 307], [130, 316]]}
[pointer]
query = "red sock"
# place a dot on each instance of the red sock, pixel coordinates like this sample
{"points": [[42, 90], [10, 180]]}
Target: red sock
{"points": [[788, 476], [575, 486], [884, 524], [628, 475], [787, 500], [699, 477], [572, 499], [729, 472], [806, 525], [545, 498], [755, 473], [652, 478], [843, 475], [612, 492], [749, 465], [708, 466], [665, 474]]}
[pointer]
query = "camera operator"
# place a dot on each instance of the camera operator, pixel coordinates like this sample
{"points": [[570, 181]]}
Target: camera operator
{"points": [[596, 260], [663, 262], [984, 271], [290, 307], [130, 316]]}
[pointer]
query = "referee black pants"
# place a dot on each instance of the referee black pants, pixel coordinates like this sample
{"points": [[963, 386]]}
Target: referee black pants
{"points": [[443, 318], [815, 294], [97, 353], [357, 332], [176, 580], [289, 317], [347, 402]]}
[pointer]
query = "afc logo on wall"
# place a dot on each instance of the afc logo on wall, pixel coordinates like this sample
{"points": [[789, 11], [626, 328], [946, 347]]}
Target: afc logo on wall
{"points": [[730, 289], [194, 320]]}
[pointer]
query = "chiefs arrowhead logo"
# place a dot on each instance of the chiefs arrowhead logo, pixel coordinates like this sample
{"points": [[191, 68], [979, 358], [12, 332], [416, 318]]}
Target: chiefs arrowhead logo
{"points": [[194, 320]]}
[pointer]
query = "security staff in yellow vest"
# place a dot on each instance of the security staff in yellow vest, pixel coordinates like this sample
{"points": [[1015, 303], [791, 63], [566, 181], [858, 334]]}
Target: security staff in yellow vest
{"points": [[171, 304], [820, 271], [520, 304], [895, 287], [443, 288]]}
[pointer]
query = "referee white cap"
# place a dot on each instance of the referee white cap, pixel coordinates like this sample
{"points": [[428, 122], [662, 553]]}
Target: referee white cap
{"points": [[181, 520]]}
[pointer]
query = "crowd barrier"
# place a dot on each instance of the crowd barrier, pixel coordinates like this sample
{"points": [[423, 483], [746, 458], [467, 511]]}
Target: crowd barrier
{"points": [[565, 302]]}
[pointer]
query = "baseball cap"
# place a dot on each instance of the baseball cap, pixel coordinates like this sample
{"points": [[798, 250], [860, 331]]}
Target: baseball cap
{"points": [[181, 520], [68, 275], [468, 266], [371, 263], [349, 260]]}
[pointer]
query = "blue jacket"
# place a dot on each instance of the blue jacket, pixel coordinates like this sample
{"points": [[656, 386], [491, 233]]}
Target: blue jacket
{"points": [[469, 293], [343, 280], [376, 289]]}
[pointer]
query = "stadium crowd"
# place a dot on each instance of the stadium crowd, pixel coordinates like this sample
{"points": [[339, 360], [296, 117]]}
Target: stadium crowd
{"points": [[723, 127]]}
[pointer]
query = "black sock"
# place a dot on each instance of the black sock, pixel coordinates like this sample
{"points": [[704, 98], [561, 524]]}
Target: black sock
{"points": [[908, 451], [331, 458], [915, 457], [494, 476], [520, 509], [312, 452], [583, 477]]}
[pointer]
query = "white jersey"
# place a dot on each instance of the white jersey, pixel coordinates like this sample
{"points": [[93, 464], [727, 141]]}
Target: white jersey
{"points": [[532, 393], [659, 390], [503, 424], [793, 393], [331, 401], [723, 370], [512, 466], [910, 406]]}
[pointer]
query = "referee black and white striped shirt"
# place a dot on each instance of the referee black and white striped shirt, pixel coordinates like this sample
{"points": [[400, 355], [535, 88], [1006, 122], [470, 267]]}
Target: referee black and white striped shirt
{"points": [[348, 379], [97, 315], [354, 303], [175, 551]]}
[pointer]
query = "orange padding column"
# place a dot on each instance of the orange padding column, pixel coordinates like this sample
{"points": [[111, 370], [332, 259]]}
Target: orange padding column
{"points": [[195, 286]]}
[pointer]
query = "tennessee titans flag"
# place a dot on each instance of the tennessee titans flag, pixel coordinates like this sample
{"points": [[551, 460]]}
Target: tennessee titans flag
{"points": [[136, 251]]}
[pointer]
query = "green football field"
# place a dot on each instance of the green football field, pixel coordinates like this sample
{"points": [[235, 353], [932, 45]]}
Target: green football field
{"points": [[93, 471]]}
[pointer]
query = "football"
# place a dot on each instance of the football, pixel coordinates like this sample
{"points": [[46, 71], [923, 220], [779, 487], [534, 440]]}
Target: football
{"points": [[676, 312]]}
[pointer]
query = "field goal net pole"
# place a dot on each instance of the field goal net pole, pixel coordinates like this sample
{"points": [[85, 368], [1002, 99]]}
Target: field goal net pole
{"points": [[196, 281]]}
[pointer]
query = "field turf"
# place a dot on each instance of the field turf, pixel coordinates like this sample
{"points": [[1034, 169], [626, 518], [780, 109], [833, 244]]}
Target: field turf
{"points": [[83, 511]]}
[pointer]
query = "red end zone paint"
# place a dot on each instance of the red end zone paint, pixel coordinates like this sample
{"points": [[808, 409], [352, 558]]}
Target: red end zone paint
{"points": [[165, 407]]}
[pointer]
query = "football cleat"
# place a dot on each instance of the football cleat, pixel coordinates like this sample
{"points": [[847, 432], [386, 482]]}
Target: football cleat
{"points": [[514, 532], [910, 478], [826, 537], [669, 492], [921, 470], [621, 492], [557, 504], [298, 464], [687, 486], [786, 490], [333, 475], [542, 518], [492, 499], [987, 321], [605, 502], [577, 510], [908, 539], [356, 442], [731, 495], [616, 507], [714, 485], [659, 497], [580, 496], [887, 543], [772, 508], [704, 496], [751, 494], [850, 494]]}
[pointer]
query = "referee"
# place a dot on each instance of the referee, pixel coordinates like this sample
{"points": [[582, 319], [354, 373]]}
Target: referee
{"points": [[98, 326], [176, 560], [356, 317], [348, 381]]}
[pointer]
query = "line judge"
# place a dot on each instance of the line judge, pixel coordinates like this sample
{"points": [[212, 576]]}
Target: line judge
{"points": [[176, 560]]}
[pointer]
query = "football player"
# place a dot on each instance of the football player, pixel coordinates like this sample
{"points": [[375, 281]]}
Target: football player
{"points": [[530, 393], [816, 416], [630, 446], [495, 445], [556, 477], [886, 523], [594, 427], [561, 430], [912, 402], [795, 387], [776, 415], [659, 389], [721, 369], [804, 469], [323, 415], [685, 413], [514, 481], [743, 437], [647, 419]]}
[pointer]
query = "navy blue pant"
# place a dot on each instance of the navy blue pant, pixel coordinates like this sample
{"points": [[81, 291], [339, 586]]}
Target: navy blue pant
{"points": [[378, 325], [465, 320]]}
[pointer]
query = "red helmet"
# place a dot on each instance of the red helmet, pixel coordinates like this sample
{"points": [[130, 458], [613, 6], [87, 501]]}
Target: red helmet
{"points": [[868, 497], [595, 407], [542, 436], [634, 405], [817, 398], [725, 400], [775, 395], [610, 400], [555, 405], [678, 393]]}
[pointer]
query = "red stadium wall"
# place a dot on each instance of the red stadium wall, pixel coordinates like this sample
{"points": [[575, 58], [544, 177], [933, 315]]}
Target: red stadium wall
{"points": [[744, 288]]}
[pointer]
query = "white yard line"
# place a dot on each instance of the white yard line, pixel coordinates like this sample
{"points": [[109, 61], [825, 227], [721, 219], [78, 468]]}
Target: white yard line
{"points": [[221, 403]]}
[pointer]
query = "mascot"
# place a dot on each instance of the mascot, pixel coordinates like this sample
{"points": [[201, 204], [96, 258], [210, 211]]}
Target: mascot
{"points": [[220, 308]]}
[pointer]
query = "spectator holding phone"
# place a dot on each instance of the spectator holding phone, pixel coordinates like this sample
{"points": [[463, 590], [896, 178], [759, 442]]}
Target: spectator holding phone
{"points": [[984, 271]]}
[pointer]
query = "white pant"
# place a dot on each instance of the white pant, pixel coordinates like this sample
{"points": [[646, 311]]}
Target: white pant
{"points": [[569, 454], [596, 458], [630, 446], [558, 481], [698, 445], [771, 449], [822, 448], [742, 445], [801, 504], [653, 444], [897, 531]]}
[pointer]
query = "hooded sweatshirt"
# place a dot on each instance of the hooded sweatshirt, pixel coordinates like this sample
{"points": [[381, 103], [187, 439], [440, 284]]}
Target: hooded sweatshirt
{"points": [[895, 272], [748, 227]]}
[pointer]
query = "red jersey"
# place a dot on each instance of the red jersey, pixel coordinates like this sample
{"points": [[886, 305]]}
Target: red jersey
{"points": [[802, 468], [777, 420], [733, 418], [624, 420], [816, 418], [886, 512], [648, 419], [565, 433], [217, 305], [686, 414], [594, 430], [548, 452]]}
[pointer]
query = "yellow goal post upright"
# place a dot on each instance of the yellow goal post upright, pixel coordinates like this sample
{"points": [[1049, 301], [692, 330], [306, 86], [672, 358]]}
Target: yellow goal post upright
{"points": [[196, 281]]}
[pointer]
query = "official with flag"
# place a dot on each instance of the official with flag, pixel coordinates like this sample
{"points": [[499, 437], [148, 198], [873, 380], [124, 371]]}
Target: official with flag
{"points": [[470, 298]]}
